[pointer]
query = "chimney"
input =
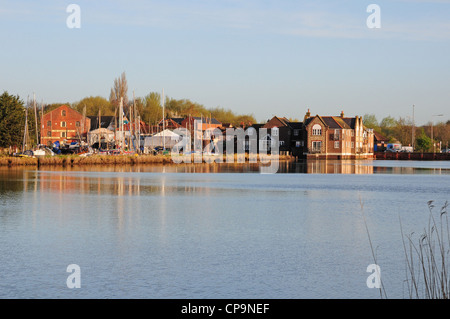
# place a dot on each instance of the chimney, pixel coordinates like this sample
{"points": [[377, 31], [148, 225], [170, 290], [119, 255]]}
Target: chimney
{"points": [[307, 115], [342, 114]]}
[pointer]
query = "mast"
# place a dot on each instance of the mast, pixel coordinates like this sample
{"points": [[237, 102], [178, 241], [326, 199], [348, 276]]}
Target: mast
{"points": [[83, 123], [35, 119], [99, 127], [122, 136], [133, 120], [42, 117], [25, 133], [413, 130], [164, 137]]}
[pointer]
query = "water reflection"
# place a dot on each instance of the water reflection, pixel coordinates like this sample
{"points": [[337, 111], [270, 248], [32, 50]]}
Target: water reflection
{"points": [[327, 167], [133, 180]]}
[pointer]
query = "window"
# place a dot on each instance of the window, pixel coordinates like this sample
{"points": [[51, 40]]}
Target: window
{"points": [[317, 130], [316, 146], [281, 143], [63, 113], [63, 124], [77, 123], [296, 132], [336, 144], [49, 123], [353, 133], [265, 143], [298, 143], [63, 134], [49, 133], [337, 135], [353, 144]]}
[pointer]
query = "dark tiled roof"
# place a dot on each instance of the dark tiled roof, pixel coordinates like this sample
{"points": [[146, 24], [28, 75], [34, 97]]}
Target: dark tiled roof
{"points": [[106, 121], [331, 122], [350, 121], [206, 120], [341, 122], [296, 125], [177, 120]]}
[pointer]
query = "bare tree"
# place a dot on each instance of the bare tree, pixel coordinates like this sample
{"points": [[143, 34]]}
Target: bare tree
{"points": [[119, 90]]}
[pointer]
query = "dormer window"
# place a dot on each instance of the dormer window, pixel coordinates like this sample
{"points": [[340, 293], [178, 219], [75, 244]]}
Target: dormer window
{"points": [[317, 130], [63, 113]]}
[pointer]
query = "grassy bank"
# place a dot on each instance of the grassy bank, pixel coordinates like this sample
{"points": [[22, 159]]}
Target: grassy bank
{"points": [[64, 160]]}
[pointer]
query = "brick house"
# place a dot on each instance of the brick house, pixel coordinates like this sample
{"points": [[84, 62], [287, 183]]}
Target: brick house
{"points": [[64, 124], [337, 137]]}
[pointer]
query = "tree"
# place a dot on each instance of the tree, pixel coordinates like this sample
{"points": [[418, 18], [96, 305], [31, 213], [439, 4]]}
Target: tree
{"points": [[403, 131], [118, 91], [423, 142], [12, 120], [370, 121], [93, 105], [152, 109], [387, 126]]}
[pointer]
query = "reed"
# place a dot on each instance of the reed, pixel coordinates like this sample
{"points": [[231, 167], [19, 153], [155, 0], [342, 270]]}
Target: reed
{"points": [[427, 257], [382, 290]]}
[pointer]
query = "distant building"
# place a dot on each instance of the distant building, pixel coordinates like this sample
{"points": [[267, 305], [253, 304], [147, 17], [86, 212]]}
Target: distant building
{"points": [[65, 125], [337, 137], [290, 137], [380, 142], [204, 123], [171, 123]]}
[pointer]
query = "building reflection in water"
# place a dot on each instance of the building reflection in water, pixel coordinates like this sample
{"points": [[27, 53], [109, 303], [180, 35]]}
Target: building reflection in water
{"points": [[327, 167]]}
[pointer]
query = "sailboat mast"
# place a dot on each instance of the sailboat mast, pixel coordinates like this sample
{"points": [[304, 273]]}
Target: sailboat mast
{"points": [[35, 119], [164, 121], [133, 122], [122, 136], [25, 133]]}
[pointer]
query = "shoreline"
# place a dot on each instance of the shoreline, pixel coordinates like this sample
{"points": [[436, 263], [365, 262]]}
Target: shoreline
{"points": [[76, 160]]}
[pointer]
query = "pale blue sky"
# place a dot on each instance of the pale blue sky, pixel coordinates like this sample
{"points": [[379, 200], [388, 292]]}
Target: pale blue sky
{"points": [[260, 57]]}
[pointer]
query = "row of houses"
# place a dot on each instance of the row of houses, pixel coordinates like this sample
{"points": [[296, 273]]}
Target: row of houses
{"points": [[331, 137]]}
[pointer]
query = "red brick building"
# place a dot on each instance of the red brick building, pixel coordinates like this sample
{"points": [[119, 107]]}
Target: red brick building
{"points": [[65, 125], [337, 137]]}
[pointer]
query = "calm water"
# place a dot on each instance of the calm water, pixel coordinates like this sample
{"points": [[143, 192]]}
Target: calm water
{"points": [[212, 231]]}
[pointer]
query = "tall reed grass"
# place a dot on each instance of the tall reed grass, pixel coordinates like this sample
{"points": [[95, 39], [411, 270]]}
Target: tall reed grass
{"points": [[426, 256]]}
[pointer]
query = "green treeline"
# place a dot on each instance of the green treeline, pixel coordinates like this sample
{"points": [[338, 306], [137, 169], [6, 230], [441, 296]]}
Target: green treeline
{"points": [[403, 131]]}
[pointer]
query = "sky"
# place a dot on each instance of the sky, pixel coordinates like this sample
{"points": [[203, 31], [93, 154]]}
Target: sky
{"points": [[257, 57]]}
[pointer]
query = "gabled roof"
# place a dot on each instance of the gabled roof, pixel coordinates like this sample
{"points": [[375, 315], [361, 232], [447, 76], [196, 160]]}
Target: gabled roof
{"points": [[106, 121], [310, 119], [283, 121], [175, 120], [379, 137]]}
